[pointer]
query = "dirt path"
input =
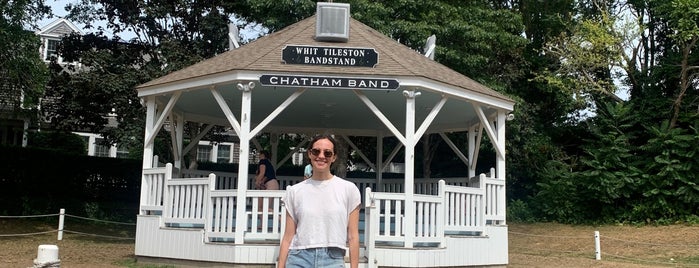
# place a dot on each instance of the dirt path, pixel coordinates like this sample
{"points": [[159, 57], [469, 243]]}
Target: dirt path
{"points": [[530, 245]]}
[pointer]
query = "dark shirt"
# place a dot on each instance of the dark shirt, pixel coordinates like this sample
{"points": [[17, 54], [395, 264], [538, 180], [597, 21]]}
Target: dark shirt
{"points": [[269, 170]]}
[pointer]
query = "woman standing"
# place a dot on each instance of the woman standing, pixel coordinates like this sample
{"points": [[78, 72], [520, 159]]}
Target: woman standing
{"points": [[266, 178], [322, 219]]}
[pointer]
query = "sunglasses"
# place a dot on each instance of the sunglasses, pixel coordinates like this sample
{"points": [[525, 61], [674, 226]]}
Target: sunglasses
{"points": [[326, 153]]}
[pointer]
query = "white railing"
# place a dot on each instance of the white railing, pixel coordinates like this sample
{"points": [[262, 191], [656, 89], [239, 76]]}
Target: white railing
{"points": [[152, 185], [465, 208], [185, 200], [494, 199], [452, 209], [229, 180], [262, 221]]}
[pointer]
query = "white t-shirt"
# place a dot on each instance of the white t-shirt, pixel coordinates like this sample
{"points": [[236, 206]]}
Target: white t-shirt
{"points": [[321, 211]]}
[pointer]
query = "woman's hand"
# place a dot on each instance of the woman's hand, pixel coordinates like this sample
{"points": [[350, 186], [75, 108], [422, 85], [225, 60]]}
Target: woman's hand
{"points": [[260, 184]]}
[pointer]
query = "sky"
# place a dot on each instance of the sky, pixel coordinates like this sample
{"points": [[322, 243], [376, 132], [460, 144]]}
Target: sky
{"points": [[58, 9]]}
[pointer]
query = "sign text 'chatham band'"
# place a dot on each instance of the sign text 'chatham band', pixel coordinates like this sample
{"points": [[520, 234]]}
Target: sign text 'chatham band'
{"points": [[329, 82], [331, 56]]}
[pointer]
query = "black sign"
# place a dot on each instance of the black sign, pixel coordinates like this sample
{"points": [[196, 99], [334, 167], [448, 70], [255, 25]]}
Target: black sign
{"points": [[330, 56], [329, 82]]}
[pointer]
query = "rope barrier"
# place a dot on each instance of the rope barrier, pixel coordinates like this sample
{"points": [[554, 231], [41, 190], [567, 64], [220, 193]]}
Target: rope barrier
{"points": [[114, 222], [60, 229], [28, 234], [651, 244], [29, 216], [550, 250], [96, 235], [549, 236], [545, 251], [525, 250], [653, 262]]}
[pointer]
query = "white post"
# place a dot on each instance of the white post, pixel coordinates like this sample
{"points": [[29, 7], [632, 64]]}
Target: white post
{"points": [[371, 217], [471, 136], [61, 219], [149, 129], [410, 166], [500, 163], [598, 249], [47, 256], [244, 136]]}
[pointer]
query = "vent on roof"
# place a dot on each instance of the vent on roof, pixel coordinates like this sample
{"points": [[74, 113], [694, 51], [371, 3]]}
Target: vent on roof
{"points": [[332, 22]]}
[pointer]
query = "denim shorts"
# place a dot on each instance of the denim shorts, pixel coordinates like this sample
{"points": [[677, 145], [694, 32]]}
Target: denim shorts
{"points": [[316, 257]]}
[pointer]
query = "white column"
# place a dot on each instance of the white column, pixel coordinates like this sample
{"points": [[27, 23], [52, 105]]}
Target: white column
{"points": [[149, 129], [179, 141], [471, 136], [244, 135], [410, 166], [500, 164]]}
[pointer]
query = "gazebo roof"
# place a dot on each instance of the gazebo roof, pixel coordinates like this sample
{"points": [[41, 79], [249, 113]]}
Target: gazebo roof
{"points": [[338, 108]]}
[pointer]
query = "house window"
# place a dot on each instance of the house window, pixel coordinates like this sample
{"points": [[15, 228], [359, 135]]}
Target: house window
{"points": [[224, 154], [101, 150], [51, 49], [204, 153], [122, 152]]}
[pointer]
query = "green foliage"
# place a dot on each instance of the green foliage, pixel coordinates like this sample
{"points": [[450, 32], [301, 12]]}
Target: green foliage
{"points": [[558, 197], [79, 183], [670, 187], [519, 211], [61, 141], [23, 72]]}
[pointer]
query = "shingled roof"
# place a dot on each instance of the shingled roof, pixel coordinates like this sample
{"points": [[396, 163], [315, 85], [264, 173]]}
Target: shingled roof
{"points": [[264, 55]]}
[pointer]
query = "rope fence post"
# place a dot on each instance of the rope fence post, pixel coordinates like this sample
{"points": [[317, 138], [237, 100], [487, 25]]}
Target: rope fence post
{"points": [[61, 218], [598, 250]]}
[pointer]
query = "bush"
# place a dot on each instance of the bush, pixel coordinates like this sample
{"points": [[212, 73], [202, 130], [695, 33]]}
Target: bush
{"points": [[37, 181], [68, 143]]}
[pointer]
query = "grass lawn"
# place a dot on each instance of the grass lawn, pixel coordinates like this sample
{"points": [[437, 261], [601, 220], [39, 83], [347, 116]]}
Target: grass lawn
{"points": [[530, 245]]}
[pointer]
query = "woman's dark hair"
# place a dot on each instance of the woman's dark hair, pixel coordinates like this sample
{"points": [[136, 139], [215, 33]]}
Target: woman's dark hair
{"points": [[320, 137], [265, 153]]}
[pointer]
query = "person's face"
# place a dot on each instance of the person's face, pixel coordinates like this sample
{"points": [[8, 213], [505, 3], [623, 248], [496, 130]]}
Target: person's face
{"points": [[322, 154]]}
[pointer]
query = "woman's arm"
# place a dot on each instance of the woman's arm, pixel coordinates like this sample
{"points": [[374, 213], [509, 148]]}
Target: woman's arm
{"points": [[289, 233], [353, 237]]}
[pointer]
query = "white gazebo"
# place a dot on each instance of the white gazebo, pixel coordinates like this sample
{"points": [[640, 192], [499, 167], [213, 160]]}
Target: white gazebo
{"points": [[327, 73]]}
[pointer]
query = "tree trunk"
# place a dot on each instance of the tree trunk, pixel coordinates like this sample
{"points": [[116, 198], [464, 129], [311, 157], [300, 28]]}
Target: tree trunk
{"points": [[685, 76]]}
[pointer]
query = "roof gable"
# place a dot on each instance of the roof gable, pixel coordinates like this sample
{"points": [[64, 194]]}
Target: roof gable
{"points": [[265, 55], [58, 28]]}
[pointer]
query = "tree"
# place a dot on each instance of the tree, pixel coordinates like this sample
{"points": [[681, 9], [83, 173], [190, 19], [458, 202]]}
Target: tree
{"points": [[683, 21], [168, 35], [22, 70]]}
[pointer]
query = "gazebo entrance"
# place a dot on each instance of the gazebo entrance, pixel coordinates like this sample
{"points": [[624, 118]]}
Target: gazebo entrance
{"points": [[292, 81]]}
